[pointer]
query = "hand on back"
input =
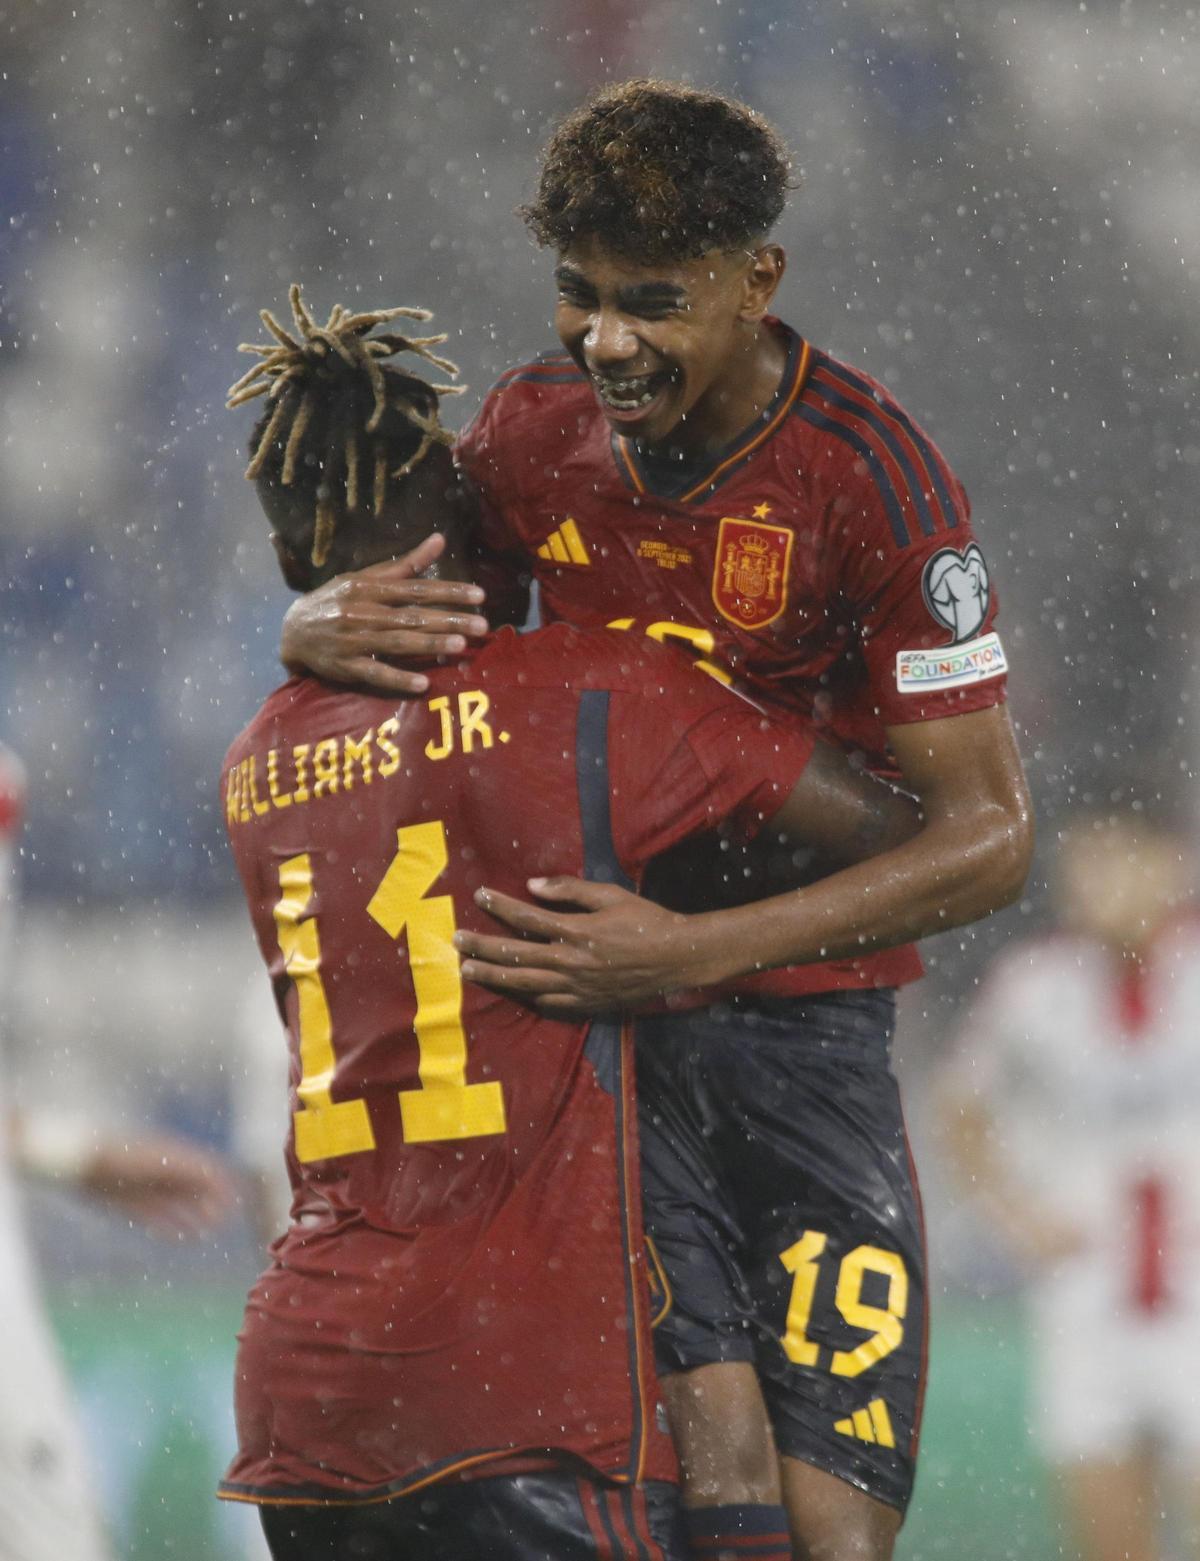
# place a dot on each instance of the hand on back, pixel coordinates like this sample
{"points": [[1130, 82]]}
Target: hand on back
{"points": [[371, 625]]}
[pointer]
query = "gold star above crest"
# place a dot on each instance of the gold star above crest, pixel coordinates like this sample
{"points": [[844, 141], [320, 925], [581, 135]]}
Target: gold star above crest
{"points": [[761, 511]]}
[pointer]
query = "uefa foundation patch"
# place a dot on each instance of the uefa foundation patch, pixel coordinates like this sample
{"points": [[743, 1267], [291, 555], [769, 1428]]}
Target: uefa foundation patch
{"points": [[953, 666]]}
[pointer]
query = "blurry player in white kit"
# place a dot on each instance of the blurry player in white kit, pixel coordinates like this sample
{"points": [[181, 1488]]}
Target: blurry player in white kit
{"points": [[48, 1511], [1075, 1113]]}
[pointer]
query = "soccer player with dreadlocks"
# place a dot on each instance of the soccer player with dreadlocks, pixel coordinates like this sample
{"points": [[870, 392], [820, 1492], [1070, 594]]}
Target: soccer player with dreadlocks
{"points": [[459, 1306], [691, 466]]}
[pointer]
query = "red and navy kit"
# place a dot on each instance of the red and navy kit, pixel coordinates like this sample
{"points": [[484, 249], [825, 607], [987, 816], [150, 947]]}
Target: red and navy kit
{"points": [[819, 559], [824, 561], [460, 1289]]}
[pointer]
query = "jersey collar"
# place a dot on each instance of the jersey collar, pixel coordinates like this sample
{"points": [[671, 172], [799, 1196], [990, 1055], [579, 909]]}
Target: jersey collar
{"points": [[685, 483]]}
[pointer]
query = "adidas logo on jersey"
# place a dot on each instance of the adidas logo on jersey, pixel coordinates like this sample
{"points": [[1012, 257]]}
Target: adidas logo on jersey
{"points": [[872, 1424], [565, 546]]}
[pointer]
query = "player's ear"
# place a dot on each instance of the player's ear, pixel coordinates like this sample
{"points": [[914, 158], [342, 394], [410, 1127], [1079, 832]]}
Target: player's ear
{"points": [[764, 273], [295, 571]]}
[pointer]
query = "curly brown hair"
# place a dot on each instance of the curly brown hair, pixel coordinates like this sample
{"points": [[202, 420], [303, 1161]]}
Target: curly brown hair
{"points": [[654, 171]]}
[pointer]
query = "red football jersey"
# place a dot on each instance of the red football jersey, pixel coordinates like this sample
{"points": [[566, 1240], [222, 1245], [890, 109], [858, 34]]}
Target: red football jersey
{"points": [[462, 1283], [824, 559]]}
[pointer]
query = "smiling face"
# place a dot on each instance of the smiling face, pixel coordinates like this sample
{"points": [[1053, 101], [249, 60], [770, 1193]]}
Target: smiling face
{"points": [[675, 351]]}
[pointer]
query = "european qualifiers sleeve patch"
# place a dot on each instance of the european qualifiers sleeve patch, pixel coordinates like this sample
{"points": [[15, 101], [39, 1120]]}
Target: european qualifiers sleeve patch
{"points": [[956, 590], [953, 666]]}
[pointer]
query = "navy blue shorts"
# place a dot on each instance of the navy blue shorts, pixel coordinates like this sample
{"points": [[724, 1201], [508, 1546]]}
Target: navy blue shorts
{"points": [[524, 1517], [781, 1202]]}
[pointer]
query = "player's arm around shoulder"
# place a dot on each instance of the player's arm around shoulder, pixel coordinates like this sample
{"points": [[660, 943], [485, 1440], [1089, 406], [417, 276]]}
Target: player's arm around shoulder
{"points": [[689, 756]]}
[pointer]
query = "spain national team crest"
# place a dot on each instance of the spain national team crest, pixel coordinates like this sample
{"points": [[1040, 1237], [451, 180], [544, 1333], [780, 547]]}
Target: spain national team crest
{"points": [[751, 574]]}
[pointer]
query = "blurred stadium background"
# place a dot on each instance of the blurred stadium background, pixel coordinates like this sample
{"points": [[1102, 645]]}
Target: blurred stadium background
{"points": [[1000, 219]]}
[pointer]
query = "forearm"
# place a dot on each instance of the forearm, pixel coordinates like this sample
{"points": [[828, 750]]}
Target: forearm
{"points": [[945, 876]]}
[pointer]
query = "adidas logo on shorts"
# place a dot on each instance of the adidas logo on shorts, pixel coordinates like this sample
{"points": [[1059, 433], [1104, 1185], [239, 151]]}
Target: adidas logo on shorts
{"points": [[872, 1424]]}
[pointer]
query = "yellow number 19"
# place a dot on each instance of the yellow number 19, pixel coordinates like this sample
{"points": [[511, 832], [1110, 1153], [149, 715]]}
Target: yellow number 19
{"points": [[884, 1323], [445, 1106]]}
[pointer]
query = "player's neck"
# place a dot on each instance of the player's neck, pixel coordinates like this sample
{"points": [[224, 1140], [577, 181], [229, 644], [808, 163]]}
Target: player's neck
{"points": [[742, 393]]}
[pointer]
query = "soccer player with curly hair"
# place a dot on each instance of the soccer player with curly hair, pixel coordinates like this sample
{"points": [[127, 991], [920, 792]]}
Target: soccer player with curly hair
{"points": [[690, 466]]}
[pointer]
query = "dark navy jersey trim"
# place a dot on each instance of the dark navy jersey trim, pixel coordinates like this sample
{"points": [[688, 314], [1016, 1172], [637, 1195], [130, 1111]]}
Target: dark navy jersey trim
{"points": [[600, 864], [928, 454], [870, 416], [600, 860], [665, 480], [685, 491], [606, 1042], [887, 492], [566, 372], [618, 1549], [625, 1496]]}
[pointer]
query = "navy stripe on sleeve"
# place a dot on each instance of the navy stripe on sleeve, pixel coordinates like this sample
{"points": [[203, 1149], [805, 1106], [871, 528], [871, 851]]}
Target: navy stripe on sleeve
{"points": [[871, 416], [887, 491], [925, 450]]}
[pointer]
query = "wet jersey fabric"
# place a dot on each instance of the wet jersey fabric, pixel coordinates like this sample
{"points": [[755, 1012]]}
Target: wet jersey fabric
{"points": [[825, 560], [460, 1287]]}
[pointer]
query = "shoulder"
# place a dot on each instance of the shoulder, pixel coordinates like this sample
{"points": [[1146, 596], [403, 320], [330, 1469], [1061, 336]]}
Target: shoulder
{"points": [[302, 704], [547, 369], [264, 719], [530, 419], [880, 459], [542, 387]]}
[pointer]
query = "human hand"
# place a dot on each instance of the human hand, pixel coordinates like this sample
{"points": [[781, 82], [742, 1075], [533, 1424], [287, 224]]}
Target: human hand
{"points": [[341, 630], [617, 951], [171, 1186]]}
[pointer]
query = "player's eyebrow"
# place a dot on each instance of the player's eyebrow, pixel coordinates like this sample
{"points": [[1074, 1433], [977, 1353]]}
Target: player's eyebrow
{"points": [[637, 295], [653, 293], [568, 274]]}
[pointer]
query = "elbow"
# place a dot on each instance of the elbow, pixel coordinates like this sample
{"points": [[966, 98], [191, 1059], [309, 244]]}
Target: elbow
{"points": [[1009, 853]]}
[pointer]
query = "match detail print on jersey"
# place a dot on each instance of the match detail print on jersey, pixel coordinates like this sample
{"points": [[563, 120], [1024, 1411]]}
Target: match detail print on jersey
{"points": [[445, 1106], [750, 576]]}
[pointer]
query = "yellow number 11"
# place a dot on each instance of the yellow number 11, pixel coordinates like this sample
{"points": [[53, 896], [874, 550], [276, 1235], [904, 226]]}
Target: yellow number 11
{"points": [[445, 1106]]}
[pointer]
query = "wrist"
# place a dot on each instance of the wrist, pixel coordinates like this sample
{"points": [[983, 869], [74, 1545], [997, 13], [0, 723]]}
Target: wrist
{"points": [[701, 951], [287, 649]]}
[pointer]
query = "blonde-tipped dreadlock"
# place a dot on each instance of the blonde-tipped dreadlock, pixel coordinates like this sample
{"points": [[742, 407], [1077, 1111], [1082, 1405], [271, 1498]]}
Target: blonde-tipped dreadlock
{"points": [[291, 373]]}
